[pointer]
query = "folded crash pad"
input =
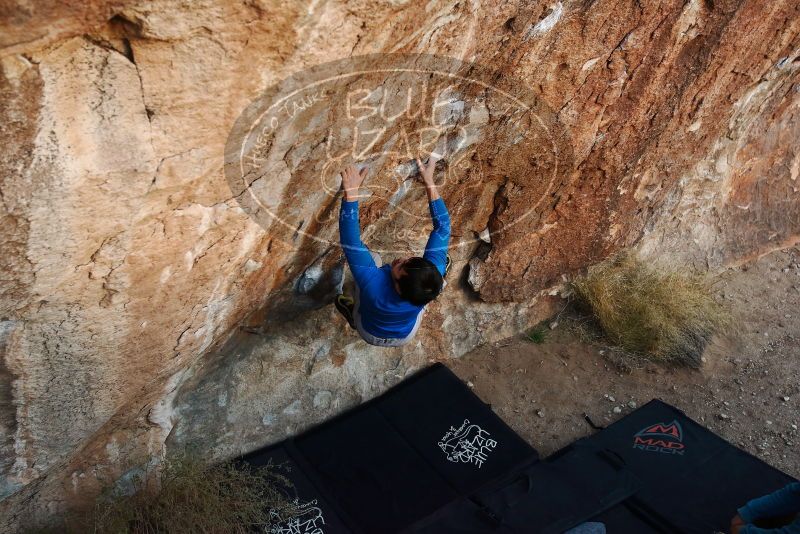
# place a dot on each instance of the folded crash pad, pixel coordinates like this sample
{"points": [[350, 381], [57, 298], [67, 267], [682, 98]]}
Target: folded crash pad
{"points": [[401, 459], [429, 456], [654, 470], [692, 479]]}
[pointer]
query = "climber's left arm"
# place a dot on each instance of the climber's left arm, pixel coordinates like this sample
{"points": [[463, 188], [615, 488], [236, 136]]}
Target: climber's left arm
{"points": [[436, 248]]}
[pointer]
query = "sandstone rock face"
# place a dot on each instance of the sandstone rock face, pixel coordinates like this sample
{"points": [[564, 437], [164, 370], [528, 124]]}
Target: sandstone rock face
{"points": [[130, 260]]}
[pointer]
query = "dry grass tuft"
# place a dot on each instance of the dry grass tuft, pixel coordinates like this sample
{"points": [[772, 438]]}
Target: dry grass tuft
{"points": [[664, 316], [194, 497]]}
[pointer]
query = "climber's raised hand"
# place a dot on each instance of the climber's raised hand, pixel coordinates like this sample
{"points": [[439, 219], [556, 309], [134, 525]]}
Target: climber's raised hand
{"points": [[352, 180], [426, 170]]}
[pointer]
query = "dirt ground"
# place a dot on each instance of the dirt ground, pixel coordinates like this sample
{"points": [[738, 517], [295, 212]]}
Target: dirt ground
{"points": [[748, 390]]}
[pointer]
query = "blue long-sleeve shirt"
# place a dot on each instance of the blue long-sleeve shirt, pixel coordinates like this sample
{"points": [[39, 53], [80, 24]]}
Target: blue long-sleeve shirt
{"points": [[383, 312], [783, 502]]}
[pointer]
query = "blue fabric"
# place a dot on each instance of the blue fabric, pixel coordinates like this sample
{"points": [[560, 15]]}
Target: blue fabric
{"points": [[383, 312], [783, 502], [592, 527]]}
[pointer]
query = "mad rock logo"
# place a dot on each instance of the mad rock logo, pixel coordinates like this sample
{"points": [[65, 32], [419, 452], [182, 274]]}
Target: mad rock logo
{"points": [[468, 443], [661, 438]]}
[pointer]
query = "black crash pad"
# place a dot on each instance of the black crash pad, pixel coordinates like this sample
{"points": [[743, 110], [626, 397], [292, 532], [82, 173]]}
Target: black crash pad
{"points": [[403, 458], [561, 492], [316, 515], [377, 477], [706, 499], [657, 441], [654, 470], [454, 430], [626, 517], [692, 479], [430, 457]]}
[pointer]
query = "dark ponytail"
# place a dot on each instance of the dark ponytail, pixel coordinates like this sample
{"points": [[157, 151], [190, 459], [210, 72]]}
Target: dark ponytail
{"points": [[422, 282]]}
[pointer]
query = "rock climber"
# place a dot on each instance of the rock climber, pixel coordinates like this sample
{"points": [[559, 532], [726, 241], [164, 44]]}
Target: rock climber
{"points": [[390, 299]]}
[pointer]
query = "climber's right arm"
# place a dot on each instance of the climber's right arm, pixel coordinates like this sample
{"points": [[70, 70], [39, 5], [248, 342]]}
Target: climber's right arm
{"points": [[358, 257]]}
